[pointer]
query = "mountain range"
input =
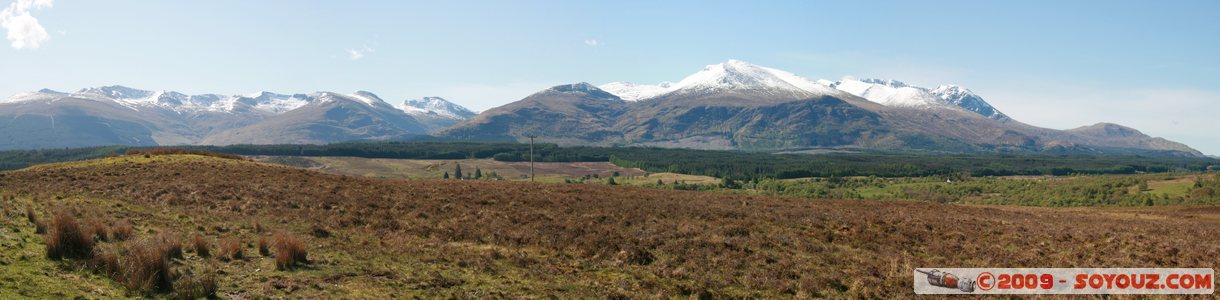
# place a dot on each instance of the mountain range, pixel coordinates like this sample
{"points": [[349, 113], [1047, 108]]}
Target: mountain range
{"points": [[738, 105], [730, 105], [117, 115]]}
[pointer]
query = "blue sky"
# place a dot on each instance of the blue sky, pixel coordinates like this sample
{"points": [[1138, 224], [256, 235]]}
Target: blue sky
{"points": [[1057, 64]]}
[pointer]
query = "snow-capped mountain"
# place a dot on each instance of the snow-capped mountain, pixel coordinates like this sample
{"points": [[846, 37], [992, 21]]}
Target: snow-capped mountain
{"points": [[268, 103], [738, 105], [137, 99], [759, 81], [272, 102], [635, 92], [435, 106], [898, 94], [731, 76], [118, 115]]}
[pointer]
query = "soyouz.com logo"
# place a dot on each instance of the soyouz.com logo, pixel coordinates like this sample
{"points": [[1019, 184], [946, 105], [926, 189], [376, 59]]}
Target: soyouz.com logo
{"points": [[1064, 281]]}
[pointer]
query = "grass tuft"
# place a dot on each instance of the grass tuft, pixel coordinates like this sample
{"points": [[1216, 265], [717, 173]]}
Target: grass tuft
{"points": [[289, 252], [98, 230], [68, 239], [230, 248], [170, 243], [145, 267], [263, 248], [121, 231], [200, 245]]}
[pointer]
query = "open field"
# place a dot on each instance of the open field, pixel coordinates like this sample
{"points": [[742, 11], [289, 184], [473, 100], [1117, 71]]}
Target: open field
{"points": [[436, 168], [379, 238]]}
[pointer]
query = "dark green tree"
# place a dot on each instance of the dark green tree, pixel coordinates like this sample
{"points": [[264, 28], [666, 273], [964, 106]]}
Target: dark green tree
{"points": [[611, 181], [457, 171], [478, 173], [446, 175]]}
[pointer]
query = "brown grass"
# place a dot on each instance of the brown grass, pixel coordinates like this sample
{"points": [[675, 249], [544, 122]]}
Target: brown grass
{"points": [[585, 241], [289, 251], [30, 215], [122, 231], [263, 248], [231, 248], [105, 263], [177, 151], [98, 230], [196, 285], [170, 244], [68, 239], [40, 227], [145, 267], [200, 246]]}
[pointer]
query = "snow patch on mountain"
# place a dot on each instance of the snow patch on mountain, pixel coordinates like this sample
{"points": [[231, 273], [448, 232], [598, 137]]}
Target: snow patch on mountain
{"points": [[899, 94], [733, 75], [635, 92], [271, 102], [435, 106]]}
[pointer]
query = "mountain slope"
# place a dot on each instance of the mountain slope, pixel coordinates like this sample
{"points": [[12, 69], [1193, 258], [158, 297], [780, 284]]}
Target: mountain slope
{"points": [[73, 122], [574, 113], [330, 118]]}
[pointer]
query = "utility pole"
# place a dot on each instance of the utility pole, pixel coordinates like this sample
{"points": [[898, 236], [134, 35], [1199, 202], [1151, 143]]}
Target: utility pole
{"points": [[532, 156]]}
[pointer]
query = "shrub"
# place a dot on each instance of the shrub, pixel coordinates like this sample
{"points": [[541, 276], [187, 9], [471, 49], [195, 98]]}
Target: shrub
{"points": [[263, 249], [145, 267], [230, 248], [289, 251], [121, 231], [67, 239], [97, 230], [171, 245], [200, 245]]}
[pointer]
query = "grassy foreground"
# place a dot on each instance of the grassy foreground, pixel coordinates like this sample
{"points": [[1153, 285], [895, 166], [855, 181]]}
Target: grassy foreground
{"points": [[377, 238]]}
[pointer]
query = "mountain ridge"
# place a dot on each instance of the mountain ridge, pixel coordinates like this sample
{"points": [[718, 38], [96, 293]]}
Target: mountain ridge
{"points": [[733, 105]]}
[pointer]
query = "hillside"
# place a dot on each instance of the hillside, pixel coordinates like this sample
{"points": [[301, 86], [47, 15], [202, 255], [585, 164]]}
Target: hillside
{"points": [[373, 238]]}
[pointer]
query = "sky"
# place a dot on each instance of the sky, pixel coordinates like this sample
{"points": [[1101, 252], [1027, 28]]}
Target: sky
{"points": [[1057, 64]]}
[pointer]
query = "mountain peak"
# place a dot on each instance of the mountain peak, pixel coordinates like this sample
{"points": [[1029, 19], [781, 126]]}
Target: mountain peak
{"points": [[116, 92], [741, 76], [436, 106], [886, 82], [582, 88], [1108, 130], [895, 93], [635, 92]]}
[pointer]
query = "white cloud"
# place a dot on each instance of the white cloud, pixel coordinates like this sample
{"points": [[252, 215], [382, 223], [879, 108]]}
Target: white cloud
{"points": [[357, 54], [24, 31], [593, 42]]}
